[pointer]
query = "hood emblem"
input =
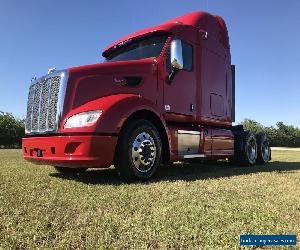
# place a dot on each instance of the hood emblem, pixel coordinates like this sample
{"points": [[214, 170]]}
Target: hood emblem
{"points": [[120, 81], [51, 70]]}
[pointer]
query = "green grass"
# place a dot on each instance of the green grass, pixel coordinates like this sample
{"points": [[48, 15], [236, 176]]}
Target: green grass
{"points": [[185, 207]]}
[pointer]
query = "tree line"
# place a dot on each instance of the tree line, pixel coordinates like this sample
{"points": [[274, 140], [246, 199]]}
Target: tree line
{"points": [[281, 135], [12, 130]]}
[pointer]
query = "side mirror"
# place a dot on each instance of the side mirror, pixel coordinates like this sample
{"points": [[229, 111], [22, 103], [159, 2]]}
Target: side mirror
{"points": [[176, 54], [176, 59]]}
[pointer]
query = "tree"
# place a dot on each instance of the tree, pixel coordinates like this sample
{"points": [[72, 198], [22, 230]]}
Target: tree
{"points": [[12, 130], [253, 126]]}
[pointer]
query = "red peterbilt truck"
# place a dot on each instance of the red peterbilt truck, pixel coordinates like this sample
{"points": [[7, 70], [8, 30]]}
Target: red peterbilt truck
{"points": [[162, 94]]}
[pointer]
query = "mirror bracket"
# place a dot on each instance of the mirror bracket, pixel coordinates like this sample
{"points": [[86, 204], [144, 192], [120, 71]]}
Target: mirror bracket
{"points": [[171, 76]]}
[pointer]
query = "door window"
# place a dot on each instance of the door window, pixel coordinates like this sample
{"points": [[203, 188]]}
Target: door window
{"points": [[187, 54]]}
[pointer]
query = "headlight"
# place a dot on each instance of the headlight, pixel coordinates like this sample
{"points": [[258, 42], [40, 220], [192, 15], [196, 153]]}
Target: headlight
{"points": [[83, 119]]}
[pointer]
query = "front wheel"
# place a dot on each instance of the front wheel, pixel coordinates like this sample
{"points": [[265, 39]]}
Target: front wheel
{"points": [[139, 151]]}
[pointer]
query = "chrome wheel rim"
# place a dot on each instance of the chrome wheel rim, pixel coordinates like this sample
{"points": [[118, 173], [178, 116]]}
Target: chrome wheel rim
{"points": [[252, 150], [265, 150], [143, 152]]}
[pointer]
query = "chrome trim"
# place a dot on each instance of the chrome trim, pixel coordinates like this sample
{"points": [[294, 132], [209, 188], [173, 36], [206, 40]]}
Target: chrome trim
{"points": [[51, 70], [189, 132], [143, 152], [61, 97], [48, 104], [40, 102], [31, 116], [64, 75], [33, 79], [194, 156], [188, 142]]}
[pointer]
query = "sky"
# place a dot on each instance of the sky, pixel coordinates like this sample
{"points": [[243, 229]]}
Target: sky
{"points": [[264, 38]]}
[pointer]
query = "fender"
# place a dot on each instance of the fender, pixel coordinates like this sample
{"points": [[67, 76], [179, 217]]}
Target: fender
{"points": [[115, 110]]}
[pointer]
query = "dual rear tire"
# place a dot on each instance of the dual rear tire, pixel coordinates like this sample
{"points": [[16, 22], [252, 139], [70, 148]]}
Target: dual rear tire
{"points": [[251, 149], [263, 149]]}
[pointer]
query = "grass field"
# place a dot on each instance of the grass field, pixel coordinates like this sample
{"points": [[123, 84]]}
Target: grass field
{"points": [[184, 207]]}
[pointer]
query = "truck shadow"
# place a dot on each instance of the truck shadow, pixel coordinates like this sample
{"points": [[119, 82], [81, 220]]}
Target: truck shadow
{"points": [[182, 171]]}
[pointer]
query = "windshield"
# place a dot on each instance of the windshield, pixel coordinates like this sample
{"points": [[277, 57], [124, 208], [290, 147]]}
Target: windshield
{"points": [[144, 48]]}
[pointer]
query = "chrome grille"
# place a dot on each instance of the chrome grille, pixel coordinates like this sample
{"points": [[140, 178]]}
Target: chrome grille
{"points": [[36, 106], [53, 100], [45, 103], [29, 106]]}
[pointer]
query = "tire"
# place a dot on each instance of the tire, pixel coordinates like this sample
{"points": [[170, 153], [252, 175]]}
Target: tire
{"points": [[66, 170], [263, 149], [247, 156], [138, 153]]}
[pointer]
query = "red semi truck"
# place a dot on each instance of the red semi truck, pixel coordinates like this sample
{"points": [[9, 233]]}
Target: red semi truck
{"points": [[162, 94]]}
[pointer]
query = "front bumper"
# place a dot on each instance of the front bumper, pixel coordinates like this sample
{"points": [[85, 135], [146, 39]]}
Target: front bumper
{"points": [[70, 151]]}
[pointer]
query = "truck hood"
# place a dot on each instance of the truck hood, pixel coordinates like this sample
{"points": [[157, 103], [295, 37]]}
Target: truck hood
{"points": [[91, 82]]}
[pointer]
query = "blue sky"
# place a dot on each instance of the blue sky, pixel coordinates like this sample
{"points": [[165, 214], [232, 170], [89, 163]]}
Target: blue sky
{"points": [[264, 37]]}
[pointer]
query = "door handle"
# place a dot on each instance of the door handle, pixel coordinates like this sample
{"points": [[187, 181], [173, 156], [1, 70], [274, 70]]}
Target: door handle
{"points": [[192, 107]]}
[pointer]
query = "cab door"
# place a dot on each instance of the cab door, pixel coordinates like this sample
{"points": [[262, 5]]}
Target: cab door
{"points": [[180, 92]]}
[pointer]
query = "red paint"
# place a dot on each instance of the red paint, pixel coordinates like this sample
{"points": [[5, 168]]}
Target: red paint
{"points": [[208, 87], [75, 151]]}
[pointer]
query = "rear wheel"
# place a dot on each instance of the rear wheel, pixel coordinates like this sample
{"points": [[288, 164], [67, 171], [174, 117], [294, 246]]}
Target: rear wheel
{"points": [[66, 170], [247, 155], [263, 149], [139, 151]]}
